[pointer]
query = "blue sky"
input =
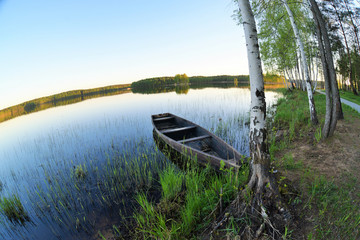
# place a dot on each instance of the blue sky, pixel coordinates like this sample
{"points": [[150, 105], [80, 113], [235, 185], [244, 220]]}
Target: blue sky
{"points": [[47, 47]]}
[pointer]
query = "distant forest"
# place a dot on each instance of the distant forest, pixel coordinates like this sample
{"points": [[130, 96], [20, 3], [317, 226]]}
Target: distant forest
{"points": [[161, 82], [167, 84], [61, 99]]}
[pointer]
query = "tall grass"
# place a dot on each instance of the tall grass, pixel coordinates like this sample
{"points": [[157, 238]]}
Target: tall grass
{"points": [[171, 181], [206, 194], [119, 159], [333, 206], [12, 208]]}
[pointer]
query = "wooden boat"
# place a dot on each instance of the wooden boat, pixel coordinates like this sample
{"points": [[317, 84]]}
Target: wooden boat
{"points": [[195, 142]]}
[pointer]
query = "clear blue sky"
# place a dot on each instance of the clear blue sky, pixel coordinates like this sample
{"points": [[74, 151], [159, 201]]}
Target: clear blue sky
{"points": [[48, 46]]}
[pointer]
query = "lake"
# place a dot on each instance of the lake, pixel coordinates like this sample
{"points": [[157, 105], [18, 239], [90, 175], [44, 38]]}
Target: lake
{"points": [[75, 168]]}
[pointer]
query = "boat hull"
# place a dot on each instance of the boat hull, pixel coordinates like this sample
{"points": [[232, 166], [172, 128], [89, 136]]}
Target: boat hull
{"points": [[195, 142]]}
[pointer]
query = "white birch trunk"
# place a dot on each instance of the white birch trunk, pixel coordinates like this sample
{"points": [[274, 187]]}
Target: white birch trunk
{"points": [[304, 64], [258, 105], [285, 81]]}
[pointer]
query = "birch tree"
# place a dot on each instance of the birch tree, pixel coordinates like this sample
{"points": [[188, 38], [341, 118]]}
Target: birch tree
{"points": [[265, 195], [313, 115], [258, 150], [333, 105]]}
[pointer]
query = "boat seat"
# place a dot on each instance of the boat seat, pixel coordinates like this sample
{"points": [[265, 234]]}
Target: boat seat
{"points": [[194, 139], [178, 129], [163, 119]]}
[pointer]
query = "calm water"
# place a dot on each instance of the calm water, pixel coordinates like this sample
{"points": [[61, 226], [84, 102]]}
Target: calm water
{"points": [[39, 152]]}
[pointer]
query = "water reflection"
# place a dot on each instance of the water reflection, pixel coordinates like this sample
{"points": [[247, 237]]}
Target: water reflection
{"points": [[61, 99], [184, 88], [111, 138]]}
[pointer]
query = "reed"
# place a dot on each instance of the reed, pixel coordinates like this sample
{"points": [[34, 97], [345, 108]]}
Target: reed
{"points": [[75, 189], [12, 208], [206, 194], [171, 182]]}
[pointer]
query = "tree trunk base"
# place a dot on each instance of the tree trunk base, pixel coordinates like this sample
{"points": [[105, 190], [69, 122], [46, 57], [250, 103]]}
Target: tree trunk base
{"points": [[258, 210]]}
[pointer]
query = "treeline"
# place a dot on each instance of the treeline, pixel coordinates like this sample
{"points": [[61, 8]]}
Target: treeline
{"points": [[166, 83], [273, 78], [61, 99]]}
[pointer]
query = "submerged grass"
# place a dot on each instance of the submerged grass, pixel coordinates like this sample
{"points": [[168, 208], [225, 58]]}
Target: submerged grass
{"points": [[80, 172], [75, 192], [12, 208], [97, 188]]}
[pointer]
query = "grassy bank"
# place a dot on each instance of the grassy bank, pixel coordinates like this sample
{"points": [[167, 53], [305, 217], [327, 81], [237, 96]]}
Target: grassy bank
{"points": [[317, 175], [350, 96], [190, 201]]}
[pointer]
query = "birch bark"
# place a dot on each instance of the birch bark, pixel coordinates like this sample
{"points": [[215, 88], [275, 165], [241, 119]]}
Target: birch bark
{"points": [[312, 109], [260, 160]]}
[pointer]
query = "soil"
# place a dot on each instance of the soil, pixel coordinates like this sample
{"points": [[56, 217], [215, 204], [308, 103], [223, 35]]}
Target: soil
{"points": [[337, 158]]}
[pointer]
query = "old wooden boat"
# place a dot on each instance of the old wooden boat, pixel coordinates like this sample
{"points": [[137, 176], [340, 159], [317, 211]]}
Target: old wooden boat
{"points": [[195, 142]]}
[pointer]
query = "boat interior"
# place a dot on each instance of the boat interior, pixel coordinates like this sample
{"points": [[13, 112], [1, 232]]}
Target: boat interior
{"points": [[184, 132]]}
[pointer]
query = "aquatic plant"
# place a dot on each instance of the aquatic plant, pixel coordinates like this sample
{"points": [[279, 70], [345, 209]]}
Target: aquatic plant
{"points": [[13, 209], [206, 194], [80, 172], [114, 168], [1, 185], [171, 182]]}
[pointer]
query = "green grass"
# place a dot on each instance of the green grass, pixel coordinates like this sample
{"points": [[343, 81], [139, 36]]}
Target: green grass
{"points": [[293, 116], [206, 194], [12, 208], [350, 96], [334, 207], [171, 181], [338, 212]]}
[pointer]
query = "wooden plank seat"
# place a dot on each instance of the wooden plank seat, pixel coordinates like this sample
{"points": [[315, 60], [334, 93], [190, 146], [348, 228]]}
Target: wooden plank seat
{"points": [[177, 129], [194, 139], [163, 119], [166, 127]]}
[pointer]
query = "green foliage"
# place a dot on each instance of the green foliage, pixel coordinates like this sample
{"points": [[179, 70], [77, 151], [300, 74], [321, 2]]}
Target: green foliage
{"points": [[152, 83], [1, 185], [171, 182], [277, 41], [181, 79], [29, 107], [274, 78], [167, 84], [12, 208]]}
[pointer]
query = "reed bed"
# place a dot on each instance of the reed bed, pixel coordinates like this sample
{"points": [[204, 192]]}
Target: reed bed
{"points": [[89, 172]]}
